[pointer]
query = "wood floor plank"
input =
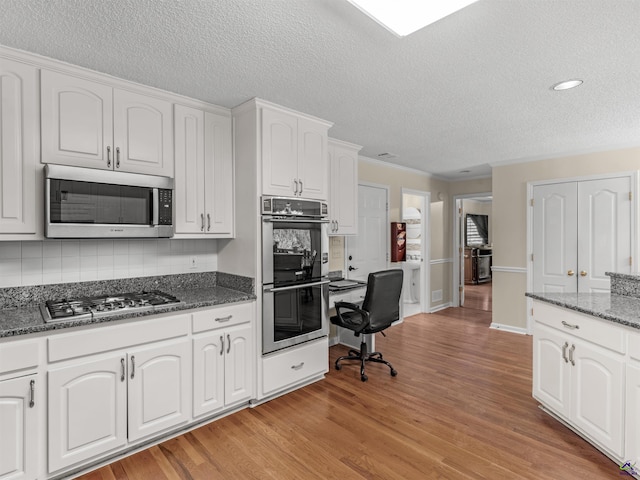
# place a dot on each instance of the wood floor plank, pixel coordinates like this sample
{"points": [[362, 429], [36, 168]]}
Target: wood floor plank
{"points": [[460, 408]]}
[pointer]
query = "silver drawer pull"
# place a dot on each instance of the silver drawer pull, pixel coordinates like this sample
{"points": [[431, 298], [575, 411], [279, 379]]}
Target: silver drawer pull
{"points": [[32, 393], [572, 327], [297, 367], [224, 319]]}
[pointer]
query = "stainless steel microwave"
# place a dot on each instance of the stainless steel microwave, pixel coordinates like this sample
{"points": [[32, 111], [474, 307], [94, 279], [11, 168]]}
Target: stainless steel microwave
{"points": [[92, 203]]}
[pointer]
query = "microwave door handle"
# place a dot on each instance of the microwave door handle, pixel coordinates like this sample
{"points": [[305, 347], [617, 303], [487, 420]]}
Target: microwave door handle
{"points": [[155, 205]]}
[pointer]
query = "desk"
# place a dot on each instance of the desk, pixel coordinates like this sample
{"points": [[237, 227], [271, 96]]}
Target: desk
{"points": [[341, 335]]}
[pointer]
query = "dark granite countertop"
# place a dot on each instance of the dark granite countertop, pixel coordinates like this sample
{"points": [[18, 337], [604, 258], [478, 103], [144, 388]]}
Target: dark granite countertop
{"points": [[24, 317], [621, 309]]}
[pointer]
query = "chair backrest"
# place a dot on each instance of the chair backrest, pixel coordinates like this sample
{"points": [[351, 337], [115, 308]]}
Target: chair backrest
{"points": [[382, 299]]}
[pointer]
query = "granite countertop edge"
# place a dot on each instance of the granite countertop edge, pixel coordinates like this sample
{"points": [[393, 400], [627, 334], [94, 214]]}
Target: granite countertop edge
{"points": [[16, 322], [620, 309]]}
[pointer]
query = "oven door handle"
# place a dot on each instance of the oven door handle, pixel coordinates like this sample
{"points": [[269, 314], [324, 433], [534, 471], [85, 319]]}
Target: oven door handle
{"points": [[294, 220], [296, 287]]}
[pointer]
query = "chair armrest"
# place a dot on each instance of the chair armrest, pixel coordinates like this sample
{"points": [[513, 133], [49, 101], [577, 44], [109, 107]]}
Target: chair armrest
{"points": [[351, 325]]}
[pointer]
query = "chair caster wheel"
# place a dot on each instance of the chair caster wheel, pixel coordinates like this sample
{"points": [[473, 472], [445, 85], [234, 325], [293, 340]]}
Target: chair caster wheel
{"points": [[394, 373], [364, 378], [338, 366]]}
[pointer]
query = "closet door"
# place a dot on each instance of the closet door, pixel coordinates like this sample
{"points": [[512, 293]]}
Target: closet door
{"points": [[555, 238], [604, 232]]}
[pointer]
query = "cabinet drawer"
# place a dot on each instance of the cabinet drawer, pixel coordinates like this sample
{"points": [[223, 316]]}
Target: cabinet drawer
{"points": [[294, 365], [601, 332], [226, 316], [103, 338], [634, 346], [19, 355]]}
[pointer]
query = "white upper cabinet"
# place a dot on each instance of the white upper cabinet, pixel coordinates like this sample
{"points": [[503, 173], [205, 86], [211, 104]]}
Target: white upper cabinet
{"points": [[343, 185], [90, 124], [294, 155], [19, 147], [203, 173]]}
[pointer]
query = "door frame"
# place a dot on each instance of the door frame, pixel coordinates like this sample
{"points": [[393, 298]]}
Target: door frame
{"points": [[635, 233], [457, 279], [425, 251]]}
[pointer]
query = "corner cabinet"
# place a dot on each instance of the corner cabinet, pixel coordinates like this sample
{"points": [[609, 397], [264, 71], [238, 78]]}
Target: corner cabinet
{"points": [[19, 147], [91, 124], [579, 373], [294, 154], [343, 182], [203, 173]]}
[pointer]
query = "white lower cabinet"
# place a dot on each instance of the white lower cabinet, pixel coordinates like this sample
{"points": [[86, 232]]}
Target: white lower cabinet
{"points": [[93, 403], [632, 411], [19, 416], [579, 374], [223, 358]]}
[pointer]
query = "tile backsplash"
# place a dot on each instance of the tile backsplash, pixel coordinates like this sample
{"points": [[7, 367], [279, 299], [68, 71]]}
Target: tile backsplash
{"points": [[61, 261]]}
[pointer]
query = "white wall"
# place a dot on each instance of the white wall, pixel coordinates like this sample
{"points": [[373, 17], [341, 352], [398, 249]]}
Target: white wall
{"points": [[58, 261]]}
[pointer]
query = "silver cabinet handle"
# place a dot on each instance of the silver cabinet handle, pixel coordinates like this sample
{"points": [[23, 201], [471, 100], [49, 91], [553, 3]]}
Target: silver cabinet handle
{"points": [[228, 343], [295, 190], [337, 226], [133, 366], [224, 319], [568, 325], [109, 156], [221, 345], [122, 369], [117, 157], [32, 394], [202, 222], [564, 352], [297, 367], [300, 186], [208, 222], [571, 350]]}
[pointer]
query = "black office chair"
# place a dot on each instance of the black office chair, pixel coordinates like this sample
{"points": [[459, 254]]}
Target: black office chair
{"points": [[379, 309]]}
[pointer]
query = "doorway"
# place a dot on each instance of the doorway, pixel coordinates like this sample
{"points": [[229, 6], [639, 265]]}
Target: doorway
{"points": [[416, 215], [473, 242]]}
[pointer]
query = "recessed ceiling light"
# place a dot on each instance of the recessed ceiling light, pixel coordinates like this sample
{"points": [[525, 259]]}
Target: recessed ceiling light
{"points": [[404, 17], [566, 85]]}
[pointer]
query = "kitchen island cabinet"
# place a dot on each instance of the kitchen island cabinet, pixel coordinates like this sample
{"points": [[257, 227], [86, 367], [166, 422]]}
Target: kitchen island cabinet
{"points": [[632, 418], [19, 149], [86, 123]]}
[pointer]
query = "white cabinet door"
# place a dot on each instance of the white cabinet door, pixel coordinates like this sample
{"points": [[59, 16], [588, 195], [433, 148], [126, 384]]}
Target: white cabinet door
{"points": [[598, 393], [142, 134], [551, 372], [343, 181], [189, 170], [312, 160], [279, 153], [604, 232], [238, 371], [159, 388], [77, 121], [18, 147], [19, 429], [218, 175], [632, 414], [87, 410], [208, 373]]}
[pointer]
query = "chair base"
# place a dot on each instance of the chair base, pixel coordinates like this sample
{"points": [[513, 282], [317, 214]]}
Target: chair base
{"points": [[363, 356]]}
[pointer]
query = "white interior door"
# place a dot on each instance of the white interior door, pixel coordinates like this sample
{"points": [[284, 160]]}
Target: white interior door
{"points": [[367, 251], [555, 238], [604, 232]]}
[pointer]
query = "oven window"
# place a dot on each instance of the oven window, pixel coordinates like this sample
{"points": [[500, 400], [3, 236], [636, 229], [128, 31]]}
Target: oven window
{"points": [[297, 312], [86, 202], [296, 253]]}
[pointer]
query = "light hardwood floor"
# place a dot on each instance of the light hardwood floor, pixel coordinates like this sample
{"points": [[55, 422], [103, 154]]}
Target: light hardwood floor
{"points": [[460, 408], [478, 296]]}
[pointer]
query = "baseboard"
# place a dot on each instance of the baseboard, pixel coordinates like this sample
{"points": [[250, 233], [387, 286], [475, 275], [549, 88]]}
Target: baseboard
{"points": [[508, 328], [334, 341], [440, 307]]}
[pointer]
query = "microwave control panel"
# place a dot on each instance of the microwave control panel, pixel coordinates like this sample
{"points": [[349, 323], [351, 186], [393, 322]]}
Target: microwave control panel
{"points": [[165, 207]]}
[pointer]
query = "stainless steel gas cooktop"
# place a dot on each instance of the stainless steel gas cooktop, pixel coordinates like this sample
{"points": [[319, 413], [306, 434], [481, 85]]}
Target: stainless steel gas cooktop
{"points": [[99, 306]]}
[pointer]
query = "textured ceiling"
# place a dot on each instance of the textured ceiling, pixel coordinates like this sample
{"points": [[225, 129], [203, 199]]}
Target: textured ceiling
{"points": [[469, 91]]}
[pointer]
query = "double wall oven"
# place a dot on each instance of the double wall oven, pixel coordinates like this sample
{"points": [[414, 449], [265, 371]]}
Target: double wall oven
{"points": [[295, 266]]}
